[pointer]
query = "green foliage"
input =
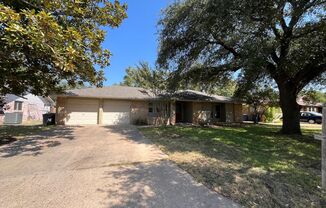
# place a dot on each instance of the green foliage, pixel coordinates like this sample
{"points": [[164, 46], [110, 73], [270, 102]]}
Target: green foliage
{"points": [[259, 40], [313, 96], [46, 42], [260, 97], [272, 113], [142, 75], [215, 38], [227, 89], [139, 76]]}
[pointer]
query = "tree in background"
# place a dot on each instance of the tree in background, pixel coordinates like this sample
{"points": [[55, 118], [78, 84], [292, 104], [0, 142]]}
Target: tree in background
{"points": [[142, 75], [227, 88], [260, 98], [154, 80], [278, 40], [45, 42], [313, 96]]}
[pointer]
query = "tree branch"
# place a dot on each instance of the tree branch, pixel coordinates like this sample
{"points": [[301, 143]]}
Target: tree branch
{"points": [[308, 73], [275, 58], [225, 46], [309, 29], [210, 72], [283, 25]]}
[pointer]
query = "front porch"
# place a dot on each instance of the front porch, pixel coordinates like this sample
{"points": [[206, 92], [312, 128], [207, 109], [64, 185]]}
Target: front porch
{"points": [[206, 112], [183, 112], [194, 112]]}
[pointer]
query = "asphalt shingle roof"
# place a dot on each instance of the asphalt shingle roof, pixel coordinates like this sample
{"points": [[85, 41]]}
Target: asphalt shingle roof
{"points": [[114, 92], [136, 93]]}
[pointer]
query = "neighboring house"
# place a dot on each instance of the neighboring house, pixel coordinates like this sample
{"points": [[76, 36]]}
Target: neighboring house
{"points": [[129, 105], [30, 107], [248, 111], [266, 114], [309, 106]]}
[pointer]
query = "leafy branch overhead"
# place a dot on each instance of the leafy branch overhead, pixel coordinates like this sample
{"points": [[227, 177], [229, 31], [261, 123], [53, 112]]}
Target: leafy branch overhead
{"points": [[46, 42]]}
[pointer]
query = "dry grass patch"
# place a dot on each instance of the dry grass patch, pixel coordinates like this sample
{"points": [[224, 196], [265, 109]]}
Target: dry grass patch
{"points": [[253, 165]]}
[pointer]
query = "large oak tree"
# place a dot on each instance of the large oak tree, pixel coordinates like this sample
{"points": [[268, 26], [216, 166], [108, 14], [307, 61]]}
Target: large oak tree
{"points": [[45, 43], [280, 40]]}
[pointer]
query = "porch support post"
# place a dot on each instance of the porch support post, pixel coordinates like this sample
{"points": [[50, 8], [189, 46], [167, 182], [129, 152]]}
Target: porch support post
{"points": [[100, 112], [233, 111], [172, 113]]}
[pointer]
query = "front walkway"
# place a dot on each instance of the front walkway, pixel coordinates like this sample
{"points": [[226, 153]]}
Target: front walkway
{"points": [[96, 166]]}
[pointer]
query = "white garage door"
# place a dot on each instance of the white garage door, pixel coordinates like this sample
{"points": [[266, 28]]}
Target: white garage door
{"points": [[116, 112], [81, 111]]}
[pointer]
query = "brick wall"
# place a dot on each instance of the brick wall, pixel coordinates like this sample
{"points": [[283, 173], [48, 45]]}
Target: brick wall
{"points": [[139, 112], [60, 111]]}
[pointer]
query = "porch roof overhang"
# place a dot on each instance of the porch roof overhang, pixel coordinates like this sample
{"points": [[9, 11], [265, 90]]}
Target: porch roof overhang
{"points": [[195, 96]]}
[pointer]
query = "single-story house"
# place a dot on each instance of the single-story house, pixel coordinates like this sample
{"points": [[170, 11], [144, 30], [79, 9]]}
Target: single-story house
{"points": [[130, 105], [309, 106], [27, 108]]}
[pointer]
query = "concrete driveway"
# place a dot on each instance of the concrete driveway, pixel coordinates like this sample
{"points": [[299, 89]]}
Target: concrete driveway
{"points": [[96, 166]]}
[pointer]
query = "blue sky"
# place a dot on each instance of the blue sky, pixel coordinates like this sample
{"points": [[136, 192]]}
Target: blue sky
{"points": [[136, 39]]}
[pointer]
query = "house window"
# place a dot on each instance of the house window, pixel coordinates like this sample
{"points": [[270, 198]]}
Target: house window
{"points": [[150, 107], [18, 105], [218, 111], [159, 109]]}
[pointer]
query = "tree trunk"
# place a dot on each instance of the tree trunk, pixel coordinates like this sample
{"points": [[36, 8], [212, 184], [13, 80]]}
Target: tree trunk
{"points": [[290, 109], [255, 115]]}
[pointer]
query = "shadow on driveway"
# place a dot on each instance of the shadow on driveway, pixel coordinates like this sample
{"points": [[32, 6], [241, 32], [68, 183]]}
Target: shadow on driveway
{"points": [[31, 143], [128, 132], [158, 184]]}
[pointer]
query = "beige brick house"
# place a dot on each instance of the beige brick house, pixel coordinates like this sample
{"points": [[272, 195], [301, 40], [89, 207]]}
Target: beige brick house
{"points": [[117, 105]]}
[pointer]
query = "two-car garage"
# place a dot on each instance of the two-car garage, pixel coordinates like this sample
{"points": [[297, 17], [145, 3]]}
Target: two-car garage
{"points": [[114, 105], [97, 111]]}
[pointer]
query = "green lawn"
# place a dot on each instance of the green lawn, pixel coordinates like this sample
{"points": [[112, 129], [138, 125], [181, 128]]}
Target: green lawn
{"points": [[253, 165]]}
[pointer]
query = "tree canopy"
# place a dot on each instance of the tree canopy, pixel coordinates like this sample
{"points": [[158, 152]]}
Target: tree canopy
{"points": [[142, 75], [45, 42], [313, 96], [281, 41]]}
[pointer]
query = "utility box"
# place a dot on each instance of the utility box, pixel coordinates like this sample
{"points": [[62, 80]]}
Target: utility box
{"points": [[13, 118]]}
